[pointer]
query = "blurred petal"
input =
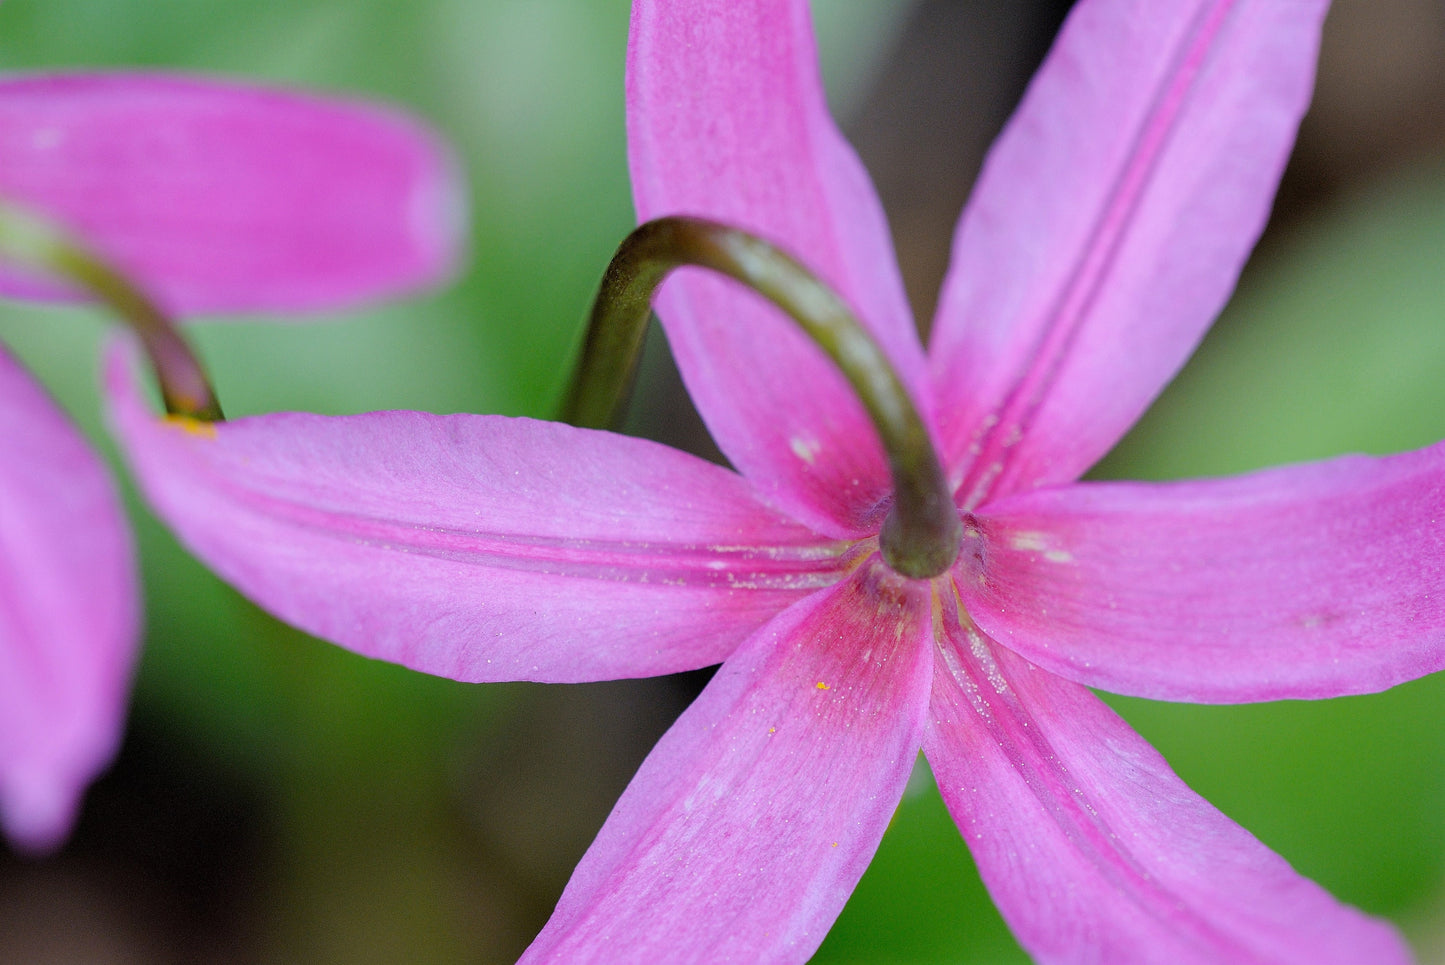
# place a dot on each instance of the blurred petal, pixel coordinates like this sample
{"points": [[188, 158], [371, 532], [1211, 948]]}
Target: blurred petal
{"points": [[69, 620], [476, 547], [1305, 581], [1094, 851], [217, 197], [749, 824], [726, 119], [1109, 225]]}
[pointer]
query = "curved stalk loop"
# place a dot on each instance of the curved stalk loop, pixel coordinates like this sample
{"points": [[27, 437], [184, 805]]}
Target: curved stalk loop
{"points": [[922, 533], [36, 244]]}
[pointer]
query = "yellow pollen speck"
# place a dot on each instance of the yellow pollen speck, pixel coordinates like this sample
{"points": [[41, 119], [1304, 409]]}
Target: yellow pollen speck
{"points": [[194, 427], [822, 686], [772, 730], [835, 844]]}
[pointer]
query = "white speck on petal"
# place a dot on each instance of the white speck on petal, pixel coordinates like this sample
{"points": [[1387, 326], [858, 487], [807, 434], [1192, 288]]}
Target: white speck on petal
{"points": [[805, 449]]}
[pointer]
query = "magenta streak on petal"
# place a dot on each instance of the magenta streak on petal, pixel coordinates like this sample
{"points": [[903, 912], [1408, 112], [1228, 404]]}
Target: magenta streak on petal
{"points": [[478, 547], [750, 823], [805, 567], [988, 471], [1025, 743], [1093, 849], [1306, 581], [727, 120]]}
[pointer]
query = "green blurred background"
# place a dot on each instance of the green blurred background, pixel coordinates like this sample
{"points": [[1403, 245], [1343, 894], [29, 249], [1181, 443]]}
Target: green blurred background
{"points": [[280, 800]]}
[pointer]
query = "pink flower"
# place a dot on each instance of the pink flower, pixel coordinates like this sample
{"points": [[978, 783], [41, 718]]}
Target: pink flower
{"points": [[1107, 230], [216, 197]]}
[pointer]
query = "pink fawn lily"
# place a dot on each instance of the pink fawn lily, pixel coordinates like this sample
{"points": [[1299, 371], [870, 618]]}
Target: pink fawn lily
{"points": [[1106, 231], [216, 197]]}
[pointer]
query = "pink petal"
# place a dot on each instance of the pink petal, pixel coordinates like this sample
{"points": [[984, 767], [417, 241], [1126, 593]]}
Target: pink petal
{"points": [[747, 827], [69, 614], [477, 547], [726, 119], [1094, 851], [219, 197], [1109, 225], [1306, 581]]}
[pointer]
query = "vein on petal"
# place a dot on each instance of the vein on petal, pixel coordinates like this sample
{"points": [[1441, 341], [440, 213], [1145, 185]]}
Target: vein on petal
{"points": [[1009, 723], [804, 566], [985, 473]]}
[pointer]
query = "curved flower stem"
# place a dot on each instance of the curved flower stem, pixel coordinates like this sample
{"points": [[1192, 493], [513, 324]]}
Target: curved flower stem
{"points": [[922, 534], [37, 244]]}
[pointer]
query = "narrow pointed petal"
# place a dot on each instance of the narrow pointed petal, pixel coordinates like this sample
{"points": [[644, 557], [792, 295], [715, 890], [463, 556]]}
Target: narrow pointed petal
{"points": [[1109, 225], [221, 198], [749, 824], [1092, 848], [1306, 581], [69, 614], [727, 120], [476, 547]]}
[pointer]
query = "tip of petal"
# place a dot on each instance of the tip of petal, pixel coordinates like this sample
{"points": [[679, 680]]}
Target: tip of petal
{"points": [[438, 216], [273, 200], [38, 811]]}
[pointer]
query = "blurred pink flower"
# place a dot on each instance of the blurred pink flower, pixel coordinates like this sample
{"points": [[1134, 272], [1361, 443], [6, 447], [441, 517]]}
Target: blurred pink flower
{"points": [[1106, 231], [214, 197]]}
